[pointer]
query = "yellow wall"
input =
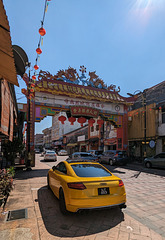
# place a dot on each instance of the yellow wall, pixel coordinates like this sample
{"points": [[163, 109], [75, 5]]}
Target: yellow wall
{"points": [[136, 125]]}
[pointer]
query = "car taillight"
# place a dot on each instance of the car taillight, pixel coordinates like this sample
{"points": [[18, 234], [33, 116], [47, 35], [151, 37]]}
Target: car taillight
{"points": [[121, 183], [78, 185]]}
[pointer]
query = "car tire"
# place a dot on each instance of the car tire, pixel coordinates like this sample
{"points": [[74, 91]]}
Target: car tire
{"points": [[110, 162], [48, 181], [148, 165], [62, 202]]}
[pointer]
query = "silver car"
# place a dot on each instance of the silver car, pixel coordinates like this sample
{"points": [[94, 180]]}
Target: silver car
{"points": [[62, 152], [83, 156], [156, 161], [107, 156], [50, 155]]}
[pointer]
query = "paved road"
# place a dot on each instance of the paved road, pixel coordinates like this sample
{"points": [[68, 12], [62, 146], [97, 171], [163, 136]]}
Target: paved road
{"points": [[145, 190], [145, 194]]}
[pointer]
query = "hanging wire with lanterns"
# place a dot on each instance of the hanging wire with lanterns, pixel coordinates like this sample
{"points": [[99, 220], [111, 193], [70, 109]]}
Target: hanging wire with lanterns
{"points": [[29, 93], [42, 33]]}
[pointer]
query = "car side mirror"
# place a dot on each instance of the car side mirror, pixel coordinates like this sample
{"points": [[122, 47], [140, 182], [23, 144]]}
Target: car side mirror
{"points": [[54, 168]]}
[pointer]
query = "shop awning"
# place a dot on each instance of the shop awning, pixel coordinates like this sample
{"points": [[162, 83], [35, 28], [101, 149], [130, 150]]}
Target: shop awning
{"points": [[7, 64], [71, 144]]}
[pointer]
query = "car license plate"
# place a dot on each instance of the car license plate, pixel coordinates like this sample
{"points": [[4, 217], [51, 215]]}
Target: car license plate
{"points": [[103, 191]]}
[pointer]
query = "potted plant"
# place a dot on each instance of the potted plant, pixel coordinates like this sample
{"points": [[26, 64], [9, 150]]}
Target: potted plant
{"points": [[6, 184], [11, 149]]}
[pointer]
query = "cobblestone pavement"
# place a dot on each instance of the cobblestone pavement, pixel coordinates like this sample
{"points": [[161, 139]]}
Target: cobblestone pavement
{"points": [[145, 190], [45, 221]]}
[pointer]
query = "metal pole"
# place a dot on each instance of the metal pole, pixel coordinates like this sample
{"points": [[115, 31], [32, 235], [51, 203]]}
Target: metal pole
{"points": [[28, 126], [145, 122]]}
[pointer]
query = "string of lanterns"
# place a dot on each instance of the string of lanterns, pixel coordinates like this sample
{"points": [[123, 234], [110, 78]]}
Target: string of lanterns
{"points": [[42, 32], [81, 120]]}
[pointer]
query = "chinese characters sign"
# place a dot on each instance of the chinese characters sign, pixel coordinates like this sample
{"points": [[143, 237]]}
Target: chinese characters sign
{"points": [[84, 111], [72, 90]]}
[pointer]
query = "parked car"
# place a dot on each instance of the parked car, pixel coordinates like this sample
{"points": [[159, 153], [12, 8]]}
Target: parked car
{"points": [[156, 161], [83, 156], [85, 185], [37, 150], [50, 155], [62, 152], [108, 155], [121, 158], [97, 153], [44, 151]]}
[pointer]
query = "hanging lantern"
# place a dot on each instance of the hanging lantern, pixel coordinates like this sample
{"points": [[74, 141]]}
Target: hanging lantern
{"points": [[81, 120], [72, 120], [100, 122], [34, 77], [24, 91], [42, 31], [32, 90], [38, 50], [62, 119], [32, 85], [91, 121], [36, 67]]}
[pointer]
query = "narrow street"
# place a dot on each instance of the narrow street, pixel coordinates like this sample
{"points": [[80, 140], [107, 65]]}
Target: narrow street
{"points": [[145, 190], [142, 219]]}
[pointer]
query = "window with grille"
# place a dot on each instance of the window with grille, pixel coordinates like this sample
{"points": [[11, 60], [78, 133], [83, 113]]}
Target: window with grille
{"points": [[97, 127], [163, 115]]}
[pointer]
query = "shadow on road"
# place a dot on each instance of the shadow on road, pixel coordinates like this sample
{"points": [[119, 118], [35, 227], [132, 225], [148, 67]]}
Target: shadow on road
{"points": [[75, 224], [136, 167], [23, 174]]}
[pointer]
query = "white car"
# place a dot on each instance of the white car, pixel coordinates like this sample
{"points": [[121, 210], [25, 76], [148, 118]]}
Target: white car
{"points": [[62, 152], [50, 155]]}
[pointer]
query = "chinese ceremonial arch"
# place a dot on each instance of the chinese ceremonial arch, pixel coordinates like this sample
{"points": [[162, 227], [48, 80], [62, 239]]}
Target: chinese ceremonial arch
{"points": [[78, 96]]}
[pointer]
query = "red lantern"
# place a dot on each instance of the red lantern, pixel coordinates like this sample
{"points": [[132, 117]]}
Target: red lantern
{"points": [[100, 122], [91, 121], [38, 50], [32, 85], [24, 91], [32, 90], [81, 120], [72, 120], [34, 77], [36, 67], [42, 31], [62, 119]]}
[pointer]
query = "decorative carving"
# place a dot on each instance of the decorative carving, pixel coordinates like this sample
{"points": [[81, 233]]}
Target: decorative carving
{"points": [[70, 75]]}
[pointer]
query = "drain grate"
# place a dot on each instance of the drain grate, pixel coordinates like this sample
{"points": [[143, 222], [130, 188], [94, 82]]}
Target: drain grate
{"points": [[17, 214]]}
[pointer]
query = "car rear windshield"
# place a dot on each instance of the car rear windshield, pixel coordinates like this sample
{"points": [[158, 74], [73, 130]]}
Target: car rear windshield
{"points": [[90, 170], [50, 152]]}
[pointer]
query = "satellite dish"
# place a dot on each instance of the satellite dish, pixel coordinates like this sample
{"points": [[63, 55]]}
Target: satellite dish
{"points": [[21, 59]]}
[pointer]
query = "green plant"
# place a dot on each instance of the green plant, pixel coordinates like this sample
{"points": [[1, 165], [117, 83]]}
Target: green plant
{"points": [[6, 183], [11, 149]]}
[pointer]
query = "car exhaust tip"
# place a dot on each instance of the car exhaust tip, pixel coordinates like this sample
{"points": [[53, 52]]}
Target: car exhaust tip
{"points": [[123, 206]]}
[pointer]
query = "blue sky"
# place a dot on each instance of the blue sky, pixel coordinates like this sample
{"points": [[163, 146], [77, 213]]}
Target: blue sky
{"points": [[123, 41]]}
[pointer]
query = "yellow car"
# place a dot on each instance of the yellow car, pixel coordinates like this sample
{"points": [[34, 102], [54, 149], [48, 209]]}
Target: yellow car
{"points": [[85, 185]]}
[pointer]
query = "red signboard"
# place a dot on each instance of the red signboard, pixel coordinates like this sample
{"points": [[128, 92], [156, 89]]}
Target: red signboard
{"points": [[84, 111], [5, 107], [111, 141]]}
